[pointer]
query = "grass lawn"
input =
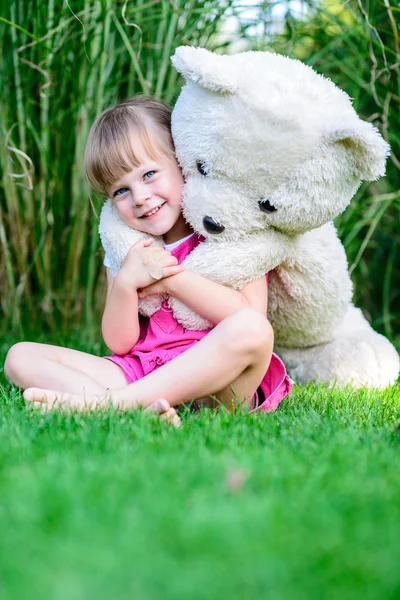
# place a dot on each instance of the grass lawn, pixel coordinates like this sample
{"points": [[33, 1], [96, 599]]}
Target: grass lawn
{"points": [[303, 503]]}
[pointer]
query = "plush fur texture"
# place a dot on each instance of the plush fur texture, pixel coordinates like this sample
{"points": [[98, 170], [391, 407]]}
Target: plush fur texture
{"points": [[271, 153]]}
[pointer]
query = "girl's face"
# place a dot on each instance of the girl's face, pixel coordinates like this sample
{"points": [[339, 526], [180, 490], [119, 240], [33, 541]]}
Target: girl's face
{"points": [[148, 198]]}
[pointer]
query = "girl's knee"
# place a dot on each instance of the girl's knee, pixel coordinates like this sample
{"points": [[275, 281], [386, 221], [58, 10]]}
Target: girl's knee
{"points": [[251, 332], [17, 356]]}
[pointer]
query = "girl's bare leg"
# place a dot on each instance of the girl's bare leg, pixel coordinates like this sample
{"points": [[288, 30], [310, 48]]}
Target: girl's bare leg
{"points": [[235, 354], [30, 364]]}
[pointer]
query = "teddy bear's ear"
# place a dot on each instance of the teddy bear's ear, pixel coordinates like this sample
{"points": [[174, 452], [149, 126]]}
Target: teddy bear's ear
{"points": [[216, 72], [367, 147]]}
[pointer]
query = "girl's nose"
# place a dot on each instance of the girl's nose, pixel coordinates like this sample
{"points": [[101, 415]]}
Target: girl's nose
{"points": [[141, 194]]}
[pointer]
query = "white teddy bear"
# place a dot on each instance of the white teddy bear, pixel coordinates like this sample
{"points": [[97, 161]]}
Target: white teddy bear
{"points": [[271, 152]]}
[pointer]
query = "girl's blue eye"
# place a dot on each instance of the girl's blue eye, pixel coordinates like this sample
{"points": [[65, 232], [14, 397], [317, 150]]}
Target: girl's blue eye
{"points": [[149, 174], [120, 191]]}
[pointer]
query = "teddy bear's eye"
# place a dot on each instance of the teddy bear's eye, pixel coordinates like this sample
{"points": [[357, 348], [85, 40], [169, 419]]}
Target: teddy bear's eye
{"points": [[266, 206], [201, 167]]}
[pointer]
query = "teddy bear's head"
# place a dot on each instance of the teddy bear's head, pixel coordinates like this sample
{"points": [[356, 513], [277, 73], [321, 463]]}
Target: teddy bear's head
{"points": [[265, 142]]}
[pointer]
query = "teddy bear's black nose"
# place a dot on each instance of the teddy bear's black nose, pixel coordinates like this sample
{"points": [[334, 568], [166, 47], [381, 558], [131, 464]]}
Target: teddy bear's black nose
{"points": [[212, 226]]}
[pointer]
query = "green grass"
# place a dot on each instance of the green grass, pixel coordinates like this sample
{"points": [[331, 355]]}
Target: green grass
{"points": [[302, 503]]}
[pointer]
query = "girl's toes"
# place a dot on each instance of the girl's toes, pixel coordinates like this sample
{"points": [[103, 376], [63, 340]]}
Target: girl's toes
{"points": [[171, 417], [162, 408], [34, 395], [176, 421], [159, 407], [41, 406], [29, 395]]}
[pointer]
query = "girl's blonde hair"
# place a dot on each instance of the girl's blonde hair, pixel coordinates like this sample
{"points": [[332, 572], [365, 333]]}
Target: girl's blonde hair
{"points": [[110, 152]]}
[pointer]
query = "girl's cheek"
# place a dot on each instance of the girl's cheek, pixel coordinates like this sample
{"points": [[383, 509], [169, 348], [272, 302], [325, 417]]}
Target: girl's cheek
{"points": [[156, 189], [122, 208]]}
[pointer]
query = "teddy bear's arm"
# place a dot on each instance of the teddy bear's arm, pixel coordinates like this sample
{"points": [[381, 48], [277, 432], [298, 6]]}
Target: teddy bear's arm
{"points": [[231, 264], [240, 262]]}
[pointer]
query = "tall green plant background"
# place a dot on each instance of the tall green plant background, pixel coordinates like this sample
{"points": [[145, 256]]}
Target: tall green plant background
{"points": [[62, 63]]}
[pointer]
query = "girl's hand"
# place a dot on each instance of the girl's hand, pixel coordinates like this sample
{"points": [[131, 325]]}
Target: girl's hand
{"points": [[154, 289], [146, 263], [163, 286]]}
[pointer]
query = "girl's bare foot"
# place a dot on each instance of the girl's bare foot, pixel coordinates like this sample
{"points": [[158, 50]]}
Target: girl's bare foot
{"points": [[53, 399], [166, 412], [47, 399]]}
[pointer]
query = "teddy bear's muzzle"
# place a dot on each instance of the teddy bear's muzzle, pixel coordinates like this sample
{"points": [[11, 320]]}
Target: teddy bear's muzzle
{"points": [[212, 226]]}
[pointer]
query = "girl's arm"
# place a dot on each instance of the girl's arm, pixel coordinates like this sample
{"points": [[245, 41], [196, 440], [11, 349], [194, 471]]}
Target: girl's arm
{"points": [[120, 324], [211, 300]]}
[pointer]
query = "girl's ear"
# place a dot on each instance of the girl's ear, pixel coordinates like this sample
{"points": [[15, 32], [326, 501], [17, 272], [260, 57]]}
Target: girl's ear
{"points": [[216, 72], [366, 146]]}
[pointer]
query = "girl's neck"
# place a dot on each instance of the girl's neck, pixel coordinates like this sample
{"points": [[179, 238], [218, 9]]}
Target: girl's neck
{"points": [[180, 230]]}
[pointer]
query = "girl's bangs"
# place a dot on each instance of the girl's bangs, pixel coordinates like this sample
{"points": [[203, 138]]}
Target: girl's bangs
{"points": [[118, 153]]}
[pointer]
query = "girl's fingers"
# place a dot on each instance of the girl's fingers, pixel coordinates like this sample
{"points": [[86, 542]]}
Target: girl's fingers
{"points": [[165, 253], [174, 270], [169, 261], [143, 243], [158, 287]]}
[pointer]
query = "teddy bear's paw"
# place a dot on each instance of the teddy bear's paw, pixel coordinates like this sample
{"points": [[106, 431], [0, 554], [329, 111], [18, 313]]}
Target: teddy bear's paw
{"points": [[187, 318], [148, 306]]}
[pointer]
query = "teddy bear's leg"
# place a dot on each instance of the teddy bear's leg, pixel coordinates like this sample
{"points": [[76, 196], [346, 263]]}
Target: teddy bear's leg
{"points": [[357, 356]]}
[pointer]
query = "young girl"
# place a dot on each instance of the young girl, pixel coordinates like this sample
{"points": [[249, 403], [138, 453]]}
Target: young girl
{"points": [[130, 158]]}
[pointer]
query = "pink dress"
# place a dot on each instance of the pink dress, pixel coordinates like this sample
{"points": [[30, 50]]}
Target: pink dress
{"points": [[162, 338]]}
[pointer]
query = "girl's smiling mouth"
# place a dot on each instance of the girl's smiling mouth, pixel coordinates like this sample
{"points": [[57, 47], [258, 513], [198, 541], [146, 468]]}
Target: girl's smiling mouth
{"points": [[152, 212]]}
